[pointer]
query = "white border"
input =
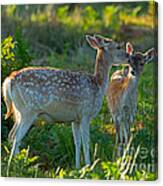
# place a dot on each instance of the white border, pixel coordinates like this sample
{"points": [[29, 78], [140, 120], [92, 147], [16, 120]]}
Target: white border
{"points": [[55, 182]]}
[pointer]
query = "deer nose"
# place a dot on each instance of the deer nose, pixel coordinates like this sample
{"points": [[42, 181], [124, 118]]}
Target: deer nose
{"points": [[133, 73]]}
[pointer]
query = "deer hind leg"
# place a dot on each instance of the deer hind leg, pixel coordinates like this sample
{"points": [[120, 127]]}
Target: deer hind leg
{"points": [[85, 134], [21, 129], [77, 142], [17, 117], [12, 132], [18, 132], [120, 142]]}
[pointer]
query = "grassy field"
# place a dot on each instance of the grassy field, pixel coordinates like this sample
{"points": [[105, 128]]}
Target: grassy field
{"points": [[54, 35]]}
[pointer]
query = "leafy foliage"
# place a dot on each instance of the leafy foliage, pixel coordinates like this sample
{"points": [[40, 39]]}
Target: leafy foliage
{"points": [[14, 57]]}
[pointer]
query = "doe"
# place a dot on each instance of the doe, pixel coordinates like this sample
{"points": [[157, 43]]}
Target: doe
{"points": [[63, 96], [122, 93]]}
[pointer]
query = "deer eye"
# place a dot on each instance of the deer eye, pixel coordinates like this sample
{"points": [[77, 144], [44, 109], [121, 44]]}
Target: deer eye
{"points": [[141, 64], [138, 58], [118, 47]]}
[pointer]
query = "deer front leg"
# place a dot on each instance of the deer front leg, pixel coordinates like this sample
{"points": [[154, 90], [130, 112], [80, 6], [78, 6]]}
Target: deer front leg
{"points": [[125, 129], [117, 133], [77, 142], [85, 134]]}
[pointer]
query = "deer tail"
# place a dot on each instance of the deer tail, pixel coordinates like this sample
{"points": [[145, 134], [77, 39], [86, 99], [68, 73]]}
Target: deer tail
{"points": [[6, 90]]}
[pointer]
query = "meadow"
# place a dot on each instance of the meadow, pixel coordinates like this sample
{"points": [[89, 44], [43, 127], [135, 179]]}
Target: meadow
{"points": [[54, 35]]}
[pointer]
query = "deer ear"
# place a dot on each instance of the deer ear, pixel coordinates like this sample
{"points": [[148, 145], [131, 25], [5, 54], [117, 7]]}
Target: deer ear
{"points": [[150, 55], [102, 39], [92, 41], [99, 38], [129, 48]]}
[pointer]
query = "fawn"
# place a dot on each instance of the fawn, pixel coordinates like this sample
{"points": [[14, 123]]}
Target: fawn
{"points": [[63, 96], [122, 92]]}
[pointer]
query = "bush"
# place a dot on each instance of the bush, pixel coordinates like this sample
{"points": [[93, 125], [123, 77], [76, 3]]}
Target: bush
{"points": [[14, 57]]}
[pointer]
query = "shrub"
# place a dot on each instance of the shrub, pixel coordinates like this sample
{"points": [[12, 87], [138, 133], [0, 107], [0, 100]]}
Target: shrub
{"points": [[14, 57]]}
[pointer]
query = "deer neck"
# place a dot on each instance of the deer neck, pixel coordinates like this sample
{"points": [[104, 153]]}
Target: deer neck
{"points": [[133, 83], [101, 69]]}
